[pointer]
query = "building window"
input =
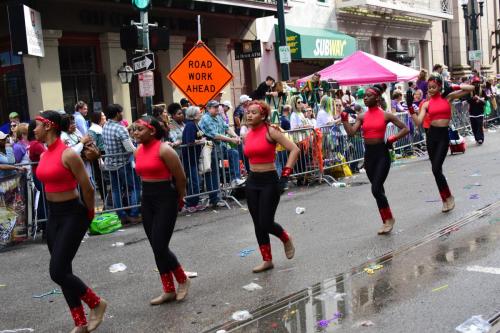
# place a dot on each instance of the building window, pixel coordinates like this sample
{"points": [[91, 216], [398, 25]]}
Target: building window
{"points": [[414, 51], [81, 77], [364, 44]]}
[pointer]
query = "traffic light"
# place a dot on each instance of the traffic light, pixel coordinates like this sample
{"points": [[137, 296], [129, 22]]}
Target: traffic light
{"points": [[142, 5]]}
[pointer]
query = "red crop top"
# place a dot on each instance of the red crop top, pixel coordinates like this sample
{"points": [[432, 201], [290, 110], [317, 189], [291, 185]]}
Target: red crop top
{"points": [[148, 163], [374, 123], [257, 148], [51, 171], [438, 108]]}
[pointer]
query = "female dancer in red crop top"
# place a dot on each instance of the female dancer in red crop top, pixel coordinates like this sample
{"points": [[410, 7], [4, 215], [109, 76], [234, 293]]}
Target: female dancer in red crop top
{"points": [[373, 124], [438, 109], [60, 170], [263, 188], [157, 163]]}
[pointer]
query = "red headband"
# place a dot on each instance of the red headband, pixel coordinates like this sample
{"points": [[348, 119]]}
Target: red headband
{"points": [[47, 122], [144, 123], [374, 91], [436, 81], [261, 110]]}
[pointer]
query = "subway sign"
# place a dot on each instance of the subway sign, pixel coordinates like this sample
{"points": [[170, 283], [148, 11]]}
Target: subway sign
{"points": [[314, 43]]}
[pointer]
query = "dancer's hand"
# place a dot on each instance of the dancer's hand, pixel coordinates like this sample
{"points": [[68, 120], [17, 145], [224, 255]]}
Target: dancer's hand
{"points": [[390, 141], [180, 203], [91, 214], [344, 116], [285, 174]]}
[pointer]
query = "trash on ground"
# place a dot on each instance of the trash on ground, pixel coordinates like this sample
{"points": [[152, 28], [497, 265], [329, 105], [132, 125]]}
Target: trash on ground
{"points": [[300, 210], [469, 186], [474, 196], [118, 244], [246, 252], [372, 268], [121, 230], [52, 292], [221, 331], [119, 267], [440, 288], [366, 323], [252, 287], [434, 200], [191, 274], [333, 295], [18, 330], [245, 209], [339, 184], [326, 322], [475, 324], [291, 193], [3, 285], [241, 315], [475, 174]]}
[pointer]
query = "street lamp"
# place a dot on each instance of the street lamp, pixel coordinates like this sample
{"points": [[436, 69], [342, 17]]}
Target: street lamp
{"points": [[473, 16], [125, 73]]}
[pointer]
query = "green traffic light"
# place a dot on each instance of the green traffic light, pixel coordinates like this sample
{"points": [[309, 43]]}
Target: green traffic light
{"points": [[141, 4]]}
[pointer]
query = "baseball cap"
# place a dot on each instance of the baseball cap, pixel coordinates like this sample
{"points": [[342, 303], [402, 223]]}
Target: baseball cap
{"points": [[244, 98], [227, 104], [2, 135], [13, 115], [212, 103]]}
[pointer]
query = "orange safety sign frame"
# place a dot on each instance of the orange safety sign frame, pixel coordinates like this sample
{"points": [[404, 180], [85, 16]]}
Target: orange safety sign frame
{"points": [[200, 75]]}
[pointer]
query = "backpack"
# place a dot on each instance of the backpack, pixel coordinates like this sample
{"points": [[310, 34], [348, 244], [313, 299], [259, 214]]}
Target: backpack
{"points": [[105, 224]]}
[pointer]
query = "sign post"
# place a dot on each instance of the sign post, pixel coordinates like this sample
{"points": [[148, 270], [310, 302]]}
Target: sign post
{"points": [[200, 75], [146, 84], [285, 54], [475, 55], [285, 70]]}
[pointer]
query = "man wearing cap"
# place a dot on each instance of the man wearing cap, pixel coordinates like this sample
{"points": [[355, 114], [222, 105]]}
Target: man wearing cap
{"points": [[214, 127], [360, 95], [7, 158], [226, 106], [240, 111]]}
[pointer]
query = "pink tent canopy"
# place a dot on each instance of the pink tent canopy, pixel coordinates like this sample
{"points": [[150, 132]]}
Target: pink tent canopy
{"points": [[364, 68]]}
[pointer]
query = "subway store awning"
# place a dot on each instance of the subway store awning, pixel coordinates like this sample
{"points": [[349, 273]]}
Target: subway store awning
{"points": [[315, 43]]}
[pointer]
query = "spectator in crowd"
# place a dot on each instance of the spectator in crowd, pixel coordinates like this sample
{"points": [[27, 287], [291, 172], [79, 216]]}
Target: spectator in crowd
{"points": [[410, 90], [35, 150], [9, 126], [264, 89], [81, 110], [239, 112], [161, 114], [311, 122], [118, 144], [347, 100], [385, 101], [338, 103], [421, 83], [306, 95], [71, 137], [7, 159], [176, 125], [360, 94], [316, 88], [97, 120], [226, 106], [278, 97], [192, 140], [324, 117], [297, 119], [184, 105], [285, 117], [477, 101], [216, 129], [20, 146], [397, 98]]}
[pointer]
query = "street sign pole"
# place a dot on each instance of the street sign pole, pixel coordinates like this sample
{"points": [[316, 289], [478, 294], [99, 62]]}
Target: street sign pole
{"points": [[285, 70], [145, 41]]}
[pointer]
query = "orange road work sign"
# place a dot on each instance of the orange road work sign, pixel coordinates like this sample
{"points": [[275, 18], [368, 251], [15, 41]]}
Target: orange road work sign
{"points": [[200, 75]]}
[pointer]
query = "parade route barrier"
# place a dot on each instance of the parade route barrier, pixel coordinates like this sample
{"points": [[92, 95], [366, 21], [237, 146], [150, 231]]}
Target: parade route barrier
{"points": [[214, 170]]}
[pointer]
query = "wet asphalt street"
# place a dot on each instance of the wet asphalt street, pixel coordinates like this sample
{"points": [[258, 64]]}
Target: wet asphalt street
{"points": [[438, 269]]}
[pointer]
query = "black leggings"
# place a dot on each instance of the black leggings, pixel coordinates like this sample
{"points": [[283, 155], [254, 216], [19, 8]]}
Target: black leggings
{"points": [[377, 165], [263, 193], [159, 213], [438, 142], [476, 124], [66, 227]]}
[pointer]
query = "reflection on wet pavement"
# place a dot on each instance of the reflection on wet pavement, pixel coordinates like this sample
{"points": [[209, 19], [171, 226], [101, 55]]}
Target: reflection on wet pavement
{"points": [[346, 301]]}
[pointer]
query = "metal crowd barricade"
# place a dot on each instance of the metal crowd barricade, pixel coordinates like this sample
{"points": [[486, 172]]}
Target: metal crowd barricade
{"points": [[460, 117]]}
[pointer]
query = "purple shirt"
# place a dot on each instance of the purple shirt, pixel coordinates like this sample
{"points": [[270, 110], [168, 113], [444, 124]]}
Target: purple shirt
{"points": [[422, 85], [19, 149]]}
